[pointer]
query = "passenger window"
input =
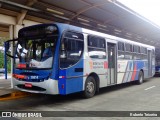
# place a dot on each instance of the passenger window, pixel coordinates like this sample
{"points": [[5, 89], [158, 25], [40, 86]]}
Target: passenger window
{"points": [[121, 52], [142, 50], [136, 49], [128, 47], [71, 49], [120, 46], [96, 47], [143, 53], [128, 51]]}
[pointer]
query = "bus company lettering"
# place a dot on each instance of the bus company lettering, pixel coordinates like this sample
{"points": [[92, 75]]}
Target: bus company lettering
{"points": [[95, 65], [34, 77]]}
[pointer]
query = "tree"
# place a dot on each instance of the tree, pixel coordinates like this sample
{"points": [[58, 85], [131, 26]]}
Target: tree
{"points": [[2, 40]]}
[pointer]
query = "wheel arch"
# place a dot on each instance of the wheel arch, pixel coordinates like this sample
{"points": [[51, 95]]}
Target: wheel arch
{"points": [[140, 80], [96, 77], [142, 72]]}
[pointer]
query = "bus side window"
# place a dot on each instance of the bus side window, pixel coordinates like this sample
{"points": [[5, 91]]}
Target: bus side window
{"points": [[96, 47], [121, 52], [71, 49], [136, 51], [128, 51]]}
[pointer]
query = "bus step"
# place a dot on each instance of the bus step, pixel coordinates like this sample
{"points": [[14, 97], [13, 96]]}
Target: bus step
{"points": [[14, 95]]}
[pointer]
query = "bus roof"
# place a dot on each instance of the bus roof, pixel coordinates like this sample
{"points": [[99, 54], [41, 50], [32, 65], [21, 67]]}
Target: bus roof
{"points": [[63, 27], [87, 31]]}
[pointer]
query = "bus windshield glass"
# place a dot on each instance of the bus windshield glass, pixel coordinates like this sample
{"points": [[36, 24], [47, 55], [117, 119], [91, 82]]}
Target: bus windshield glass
{"points": [[35, 53]]}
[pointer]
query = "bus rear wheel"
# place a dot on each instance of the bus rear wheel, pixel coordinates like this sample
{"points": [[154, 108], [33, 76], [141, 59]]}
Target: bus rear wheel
{"points": [[90, 87], [140, 78]]}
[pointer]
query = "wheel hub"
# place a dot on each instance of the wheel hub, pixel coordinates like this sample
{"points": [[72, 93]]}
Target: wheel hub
{"points": [[90, 87], [141, 79]]}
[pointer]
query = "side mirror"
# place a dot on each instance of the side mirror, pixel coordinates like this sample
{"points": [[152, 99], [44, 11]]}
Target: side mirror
{"points": [[7, 47]]}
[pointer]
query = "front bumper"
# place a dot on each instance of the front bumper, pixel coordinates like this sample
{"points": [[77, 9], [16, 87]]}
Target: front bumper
{"points": [[49, 86]]}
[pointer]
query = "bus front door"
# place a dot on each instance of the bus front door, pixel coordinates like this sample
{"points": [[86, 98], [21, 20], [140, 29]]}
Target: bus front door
{"points": [[111, 48]]}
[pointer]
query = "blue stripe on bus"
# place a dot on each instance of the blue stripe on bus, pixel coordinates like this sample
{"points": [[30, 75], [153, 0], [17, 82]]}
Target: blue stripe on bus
{"points": [[34, 75], [75, 81], [69, 80], [62, 82], [55, 72], [140, 65]]}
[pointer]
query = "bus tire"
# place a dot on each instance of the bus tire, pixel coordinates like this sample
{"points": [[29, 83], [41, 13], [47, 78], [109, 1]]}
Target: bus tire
{"points": [[90, 87], [140, 78]]}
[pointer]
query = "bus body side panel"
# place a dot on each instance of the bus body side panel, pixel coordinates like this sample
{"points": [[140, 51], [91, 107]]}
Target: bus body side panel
{"points": [[96, 66], [122, 71], [71, 79], [153, 65], [145, 69], [128, 70], [140, 66]]}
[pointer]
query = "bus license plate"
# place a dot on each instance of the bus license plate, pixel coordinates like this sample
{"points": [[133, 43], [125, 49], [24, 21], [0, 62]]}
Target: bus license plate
{"points": [[28, 85]]}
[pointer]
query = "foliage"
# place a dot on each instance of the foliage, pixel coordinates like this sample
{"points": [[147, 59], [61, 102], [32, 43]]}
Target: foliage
{"points": [[2, 40], [2, 62]]}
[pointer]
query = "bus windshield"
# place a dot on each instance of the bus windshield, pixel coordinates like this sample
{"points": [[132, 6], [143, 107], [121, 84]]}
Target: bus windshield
{"points": [[35, 53]]}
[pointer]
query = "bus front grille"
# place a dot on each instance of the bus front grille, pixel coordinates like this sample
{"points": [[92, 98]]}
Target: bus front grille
{"points": [[34, 88]]}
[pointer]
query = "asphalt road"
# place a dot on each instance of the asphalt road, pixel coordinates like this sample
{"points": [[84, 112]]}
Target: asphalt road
{"points": [[125, 97]]}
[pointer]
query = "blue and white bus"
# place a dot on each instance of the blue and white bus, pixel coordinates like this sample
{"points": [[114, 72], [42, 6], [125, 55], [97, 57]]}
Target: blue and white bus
{"points": [[62, 59]]}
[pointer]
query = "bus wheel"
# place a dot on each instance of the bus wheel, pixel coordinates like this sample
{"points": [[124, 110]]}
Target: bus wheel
{"points": [[140, 78], [90, 87]]}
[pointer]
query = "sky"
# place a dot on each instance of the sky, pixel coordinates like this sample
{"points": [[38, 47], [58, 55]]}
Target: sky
{"points": [[150, 9]]}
